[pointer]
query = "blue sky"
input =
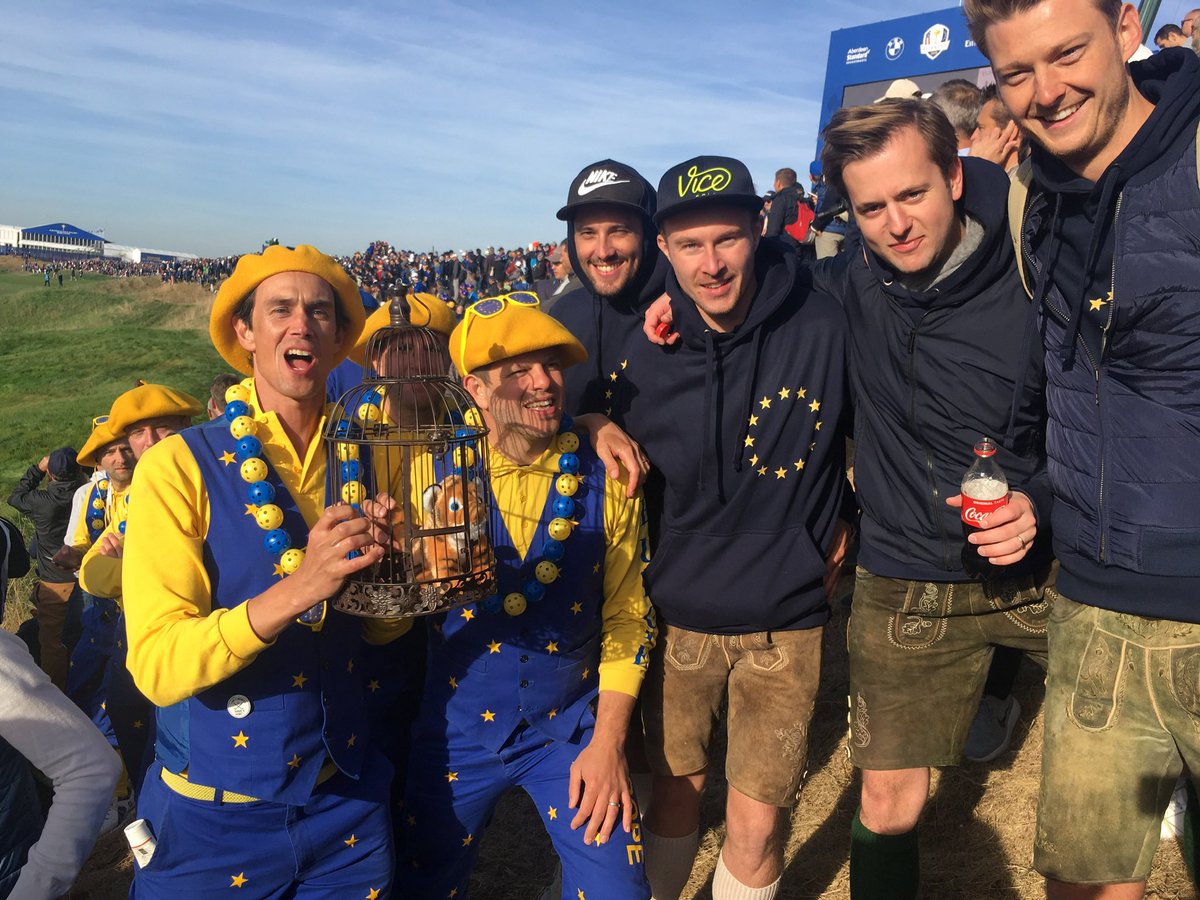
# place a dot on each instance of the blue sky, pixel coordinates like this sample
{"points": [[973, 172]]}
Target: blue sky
{"points": [[212, 126]]}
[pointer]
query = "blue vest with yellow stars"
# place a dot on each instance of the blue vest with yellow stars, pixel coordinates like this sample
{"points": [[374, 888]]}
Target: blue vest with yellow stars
{"points": [[266, 731], [489, 671]]}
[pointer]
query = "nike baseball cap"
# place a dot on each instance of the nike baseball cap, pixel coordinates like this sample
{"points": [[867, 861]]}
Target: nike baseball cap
{"points": [[706, 181], [609, 182]]}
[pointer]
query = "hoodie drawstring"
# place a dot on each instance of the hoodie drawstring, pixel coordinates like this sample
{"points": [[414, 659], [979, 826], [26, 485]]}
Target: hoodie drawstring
{"points": [[709, 436], [748, 401], [1066, 351]]}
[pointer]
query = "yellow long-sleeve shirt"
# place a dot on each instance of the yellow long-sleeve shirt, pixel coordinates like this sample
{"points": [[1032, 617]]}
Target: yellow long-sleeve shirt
{"points": [[178, 644], [628, 621]]}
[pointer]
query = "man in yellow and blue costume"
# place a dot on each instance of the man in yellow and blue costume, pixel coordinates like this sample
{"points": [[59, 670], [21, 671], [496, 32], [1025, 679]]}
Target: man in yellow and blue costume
{"points": [[263, 780], [534, 686]]}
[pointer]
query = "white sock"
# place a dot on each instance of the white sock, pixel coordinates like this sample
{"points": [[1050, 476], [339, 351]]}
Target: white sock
{"points": [[669, 862], [726, 887]]}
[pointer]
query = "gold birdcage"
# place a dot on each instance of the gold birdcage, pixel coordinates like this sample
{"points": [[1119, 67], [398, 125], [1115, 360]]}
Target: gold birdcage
{"points": [[407, 449]]}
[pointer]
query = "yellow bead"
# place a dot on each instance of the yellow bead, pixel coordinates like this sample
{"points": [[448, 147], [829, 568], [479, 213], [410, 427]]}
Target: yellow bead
{"points": [[567, 485], [291, 559], [102, 484], [97, 524], [347, 452], [238, 392], [472, 417], [560, 529], [353, 492], [254, 470], [97, 503], [269, 516], [546, 572], [241, 426], [515, 603], [464, 457], [368, 413], [568, 442]]}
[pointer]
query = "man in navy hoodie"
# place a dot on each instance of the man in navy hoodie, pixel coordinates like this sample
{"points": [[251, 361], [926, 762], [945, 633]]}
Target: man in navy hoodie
{"points": [[742, 416], [1108, 235], [937, 320]]}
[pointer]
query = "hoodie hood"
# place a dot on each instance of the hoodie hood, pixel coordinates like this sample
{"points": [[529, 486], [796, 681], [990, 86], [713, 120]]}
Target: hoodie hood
{"points": [[984, 198], [1077, 240]]}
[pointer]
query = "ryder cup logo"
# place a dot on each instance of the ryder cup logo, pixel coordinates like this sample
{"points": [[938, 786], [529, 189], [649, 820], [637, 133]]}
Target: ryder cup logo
{"points": [[894, 48], [936, 41]]}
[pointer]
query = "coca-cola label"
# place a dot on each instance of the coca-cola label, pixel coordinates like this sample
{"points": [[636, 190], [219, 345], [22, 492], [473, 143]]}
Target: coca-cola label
{"points": [[976, 512]]}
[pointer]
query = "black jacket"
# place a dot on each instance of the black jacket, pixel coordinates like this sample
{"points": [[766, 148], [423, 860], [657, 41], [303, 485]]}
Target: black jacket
{"points": [[932, 373], [784, 209], [49, 509], [745, 428]]}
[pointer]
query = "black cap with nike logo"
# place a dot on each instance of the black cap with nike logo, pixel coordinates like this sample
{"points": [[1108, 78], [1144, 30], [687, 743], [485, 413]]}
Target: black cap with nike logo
{"points": [[612, 183]]}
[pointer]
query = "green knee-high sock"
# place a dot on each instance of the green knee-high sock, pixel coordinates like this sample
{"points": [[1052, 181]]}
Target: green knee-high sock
{"points": [[882, 866]]}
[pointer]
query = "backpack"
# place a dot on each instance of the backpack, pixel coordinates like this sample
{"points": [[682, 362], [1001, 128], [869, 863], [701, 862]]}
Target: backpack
{"points": [[801, 230]]}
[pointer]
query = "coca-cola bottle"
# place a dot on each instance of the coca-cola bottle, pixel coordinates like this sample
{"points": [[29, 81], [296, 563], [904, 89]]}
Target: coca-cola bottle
{"points": [[984, 490]]}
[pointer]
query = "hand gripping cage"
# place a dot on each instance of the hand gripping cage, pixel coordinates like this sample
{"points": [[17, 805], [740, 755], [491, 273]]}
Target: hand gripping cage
{"points": [[407, 448]]}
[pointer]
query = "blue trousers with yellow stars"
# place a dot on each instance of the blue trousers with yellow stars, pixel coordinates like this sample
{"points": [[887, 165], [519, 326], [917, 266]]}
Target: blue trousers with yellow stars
{"points": [[337, 846], [453, 787]]}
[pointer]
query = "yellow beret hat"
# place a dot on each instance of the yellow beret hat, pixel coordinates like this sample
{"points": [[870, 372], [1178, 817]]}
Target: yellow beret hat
{"points": [[425, 310], [479, 341], [100, 438], [255, 268], [149, 401]]}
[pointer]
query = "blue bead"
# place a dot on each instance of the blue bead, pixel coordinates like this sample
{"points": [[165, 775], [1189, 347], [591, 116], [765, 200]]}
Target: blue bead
{"points": [[261, 493], [373, 398], [277, 541], [462, 432], [564, 508], [491, 604], [534, 590], [247, 448], [553, 550], [235, 408], [567, 424], [351, 469], [568, 463], [343, 428], [121, 528]]}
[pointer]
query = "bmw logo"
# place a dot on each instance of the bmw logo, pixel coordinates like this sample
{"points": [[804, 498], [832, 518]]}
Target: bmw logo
{"points": [[894, 48]]}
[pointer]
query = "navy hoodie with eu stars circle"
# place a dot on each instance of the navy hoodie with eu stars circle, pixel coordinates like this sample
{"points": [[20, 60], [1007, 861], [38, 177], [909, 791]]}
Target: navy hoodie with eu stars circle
{"points": [[746, 429]]}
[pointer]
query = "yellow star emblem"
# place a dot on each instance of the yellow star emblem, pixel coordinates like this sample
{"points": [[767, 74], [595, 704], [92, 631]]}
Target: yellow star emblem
{"points": [[451, 776], [580, 893], [350, 665], [754, 460], [552, 813], [137, 723], [238, 880], [412, 820], [552, 713], [373, 685], [251, 509], [784, 393], [453, 893], [818, 425], [279, 573], [596, 569], [350, 841], [488, 715], [586, 673], [352, 740], [240, 739], [298, 680], [552, 647], [799, 464], [294, 762], [467, 840], [765, 402], [467, 613], [608, 395], [1097, 303], [815, 405], [753, 421], [453, 683], [576, 608], [612, 376], [624, 364], [372, 894], [494, 647], [227, 457], [781, 472], [762, 470], [801, 393], [749, 442]]}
